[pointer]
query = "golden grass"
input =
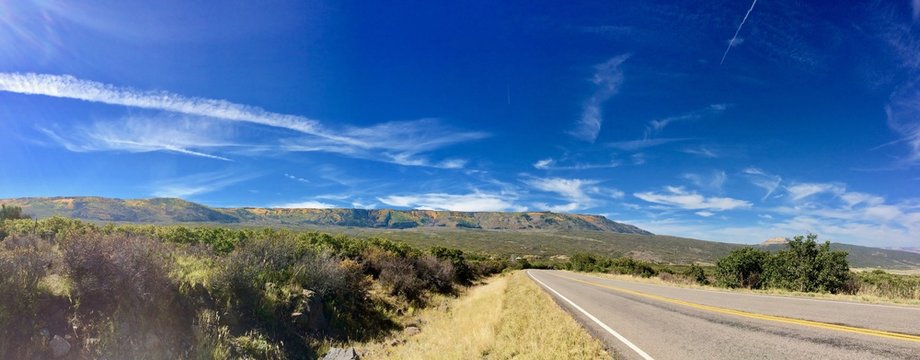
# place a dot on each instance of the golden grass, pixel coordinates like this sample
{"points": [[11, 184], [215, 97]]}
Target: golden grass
{"points": [[508, 317], [866, 295]]}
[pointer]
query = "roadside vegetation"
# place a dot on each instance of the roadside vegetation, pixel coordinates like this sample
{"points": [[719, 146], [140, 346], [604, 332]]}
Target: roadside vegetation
{"points": [[71, 289], [510, 317], [803, 267]]}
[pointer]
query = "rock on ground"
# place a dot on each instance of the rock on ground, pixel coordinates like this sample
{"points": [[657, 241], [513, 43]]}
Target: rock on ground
{"points": [[59, 346], [341, 354]]}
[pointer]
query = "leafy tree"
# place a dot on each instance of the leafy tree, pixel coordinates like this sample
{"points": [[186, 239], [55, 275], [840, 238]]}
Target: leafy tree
{"points": [[12, 213], [742, 268], [584, 262], [806, 266]]}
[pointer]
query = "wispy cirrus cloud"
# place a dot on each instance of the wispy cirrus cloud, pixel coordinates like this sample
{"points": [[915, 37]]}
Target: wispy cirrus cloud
{"points": [[143, 134], [476, 201], [806, 190], [915, 6], [656, 126], [703, 151], [553, 164], [578, 193], [679, 197], [762, 179], [632, 145], [296, 178], [196, 184], [713, 181], [398, 142], [607, 79], [903, 113]]}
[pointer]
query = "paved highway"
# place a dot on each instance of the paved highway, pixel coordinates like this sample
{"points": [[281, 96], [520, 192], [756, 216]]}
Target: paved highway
{"points": [[647, 321]]}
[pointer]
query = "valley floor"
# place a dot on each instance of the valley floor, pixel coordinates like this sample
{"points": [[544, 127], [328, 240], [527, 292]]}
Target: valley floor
{"points": [[508, 317]]}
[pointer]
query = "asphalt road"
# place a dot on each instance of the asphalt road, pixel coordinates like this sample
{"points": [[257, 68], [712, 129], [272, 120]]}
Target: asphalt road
{"points": [[647, 321]]}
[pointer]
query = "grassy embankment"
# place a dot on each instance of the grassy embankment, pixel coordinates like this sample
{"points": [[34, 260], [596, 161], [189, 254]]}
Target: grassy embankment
{"points": [[508, 317], [74, 290]]}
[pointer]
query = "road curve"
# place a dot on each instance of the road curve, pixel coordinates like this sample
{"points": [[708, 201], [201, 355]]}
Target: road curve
{"points": [[648, 321]]}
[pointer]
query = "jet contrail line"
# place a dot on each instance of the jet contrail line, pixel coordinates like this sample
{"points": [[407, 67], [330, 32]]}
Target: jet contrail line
{"points": [[732, 42]]}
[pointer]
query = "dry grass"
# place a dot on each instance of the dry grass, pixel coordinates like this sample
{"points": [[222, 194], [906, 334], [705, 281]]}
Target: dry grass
{"points": [[509, 317], [866, 295]]}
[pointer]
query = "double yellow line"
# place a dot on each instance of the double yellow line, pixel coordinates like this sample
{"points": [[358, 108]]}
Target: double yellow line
{"points": [[750, 315]]}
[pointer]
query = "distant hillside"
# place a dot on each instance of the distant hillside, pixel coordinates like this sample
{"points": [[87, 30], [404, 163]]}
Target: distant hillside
{"points": [[505, 233], [869, 257], [661, 248], [915, 250], [159, 210]]}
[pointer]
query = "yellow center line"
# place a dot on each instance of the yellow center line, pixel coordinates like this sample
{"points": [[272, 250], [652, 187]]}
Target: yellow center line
{"points": [[780, 319]]}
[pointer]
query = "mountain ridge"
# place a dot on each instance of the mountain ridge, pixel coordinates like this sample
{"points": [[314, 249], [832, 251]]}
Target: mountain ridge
{"points": [[174, 210]]}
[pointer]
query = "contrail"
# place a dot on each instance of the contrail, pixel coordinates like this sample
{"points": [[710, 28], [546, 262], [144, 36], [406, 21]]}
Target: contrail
{"points": [[730, 43], [66, 86]]}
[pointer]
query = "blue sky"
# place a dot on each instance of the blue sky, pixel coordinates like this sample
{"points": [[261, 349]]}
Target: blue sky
{"points": [[677, 118]]}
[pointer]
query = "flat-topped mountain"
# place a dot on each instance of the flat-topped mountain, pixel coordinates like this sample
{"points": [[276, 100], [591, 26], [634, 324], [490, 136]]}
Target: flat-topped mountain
{"points": [[170, 210]]}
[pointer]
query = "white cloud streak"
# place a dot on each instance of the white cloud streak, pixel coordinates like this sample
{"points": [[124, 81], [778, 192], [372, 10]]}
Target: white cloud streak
{"points": [[305, 205], [656, 126], [763, 180], [903, 112], [578, 193], [607, 78], [678, 197], [297, 178], [713, 182], [552, 164], [398, 142], [196, 184], [632, 145], [140, 134], [452, 202], [731, 43], [806, 190]]}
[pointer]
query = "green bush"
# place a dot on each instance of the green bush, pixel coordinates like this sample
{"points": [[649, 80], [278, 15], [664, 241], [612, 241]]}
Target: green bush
{"points": [[742, 268], [630, 266], [586, 262], [808, 267], [696, 273], [12, 213], [803, 266]]}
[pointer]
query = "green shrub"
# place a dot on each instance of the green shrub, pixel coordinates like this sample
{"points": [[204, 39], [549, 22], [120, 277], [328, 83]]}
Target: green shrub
{"points": [[883, 284], [12, 213], [585, 262], [630, 266], [808, 267], [696, 273], [742, 268], [462, 271]]}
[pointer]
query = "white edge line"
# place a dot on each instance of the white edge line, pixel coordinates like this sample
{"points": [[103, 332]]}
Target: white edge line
{"points": [[595, 319]]}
